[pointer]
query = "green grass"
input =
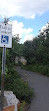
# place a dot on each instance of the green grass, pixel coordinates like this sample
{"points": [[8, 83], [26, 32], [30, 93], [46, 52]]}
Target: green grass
{"points": [[42, 69], [20, 88]]}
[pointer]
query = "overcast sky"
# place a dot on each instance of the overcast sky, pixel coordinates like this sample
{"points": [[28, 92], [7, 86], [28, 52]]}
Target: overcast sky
{"points": [[27, 16]]}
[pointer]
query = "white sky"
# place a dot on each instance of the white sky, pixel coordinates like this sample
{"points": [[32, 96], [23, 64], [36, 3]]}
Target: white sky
{"points": [[25, 8], [18, 28]]}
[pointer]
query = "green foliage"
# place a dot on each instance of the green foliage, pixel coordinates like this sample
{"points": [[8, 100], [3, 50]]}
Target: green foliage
{"points": [[12, 79], [42, 69], [0, 80], [21, 89], [22, 106], [17, 85], [36, 53], [37, 50]]}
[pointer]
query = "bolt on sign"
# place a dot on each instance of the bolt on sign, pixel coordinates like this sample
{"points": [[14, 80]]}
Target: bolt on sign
{"points": [[5, 35]]}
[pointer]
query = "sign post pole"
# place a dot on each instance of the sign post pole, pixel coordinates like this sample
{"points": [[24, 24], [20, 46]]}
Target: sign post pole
{"points": [[2, 79], [2, 76], [5, 41]]}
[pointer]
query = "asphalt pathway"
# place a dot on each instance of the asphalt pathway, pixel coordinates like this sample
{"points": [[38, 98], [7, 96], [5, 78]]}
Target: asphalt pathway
{"points": [[40, 84]]}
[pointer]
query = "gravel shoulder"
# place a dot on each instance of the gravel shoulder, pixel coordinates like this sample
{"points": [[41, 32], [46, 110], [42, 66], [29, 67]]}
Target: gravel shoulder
{"points": [[40, 84]]}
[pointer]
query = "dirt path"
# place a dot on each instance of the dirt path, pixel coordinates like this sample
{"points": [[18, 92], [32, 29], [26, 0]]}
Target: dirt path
{"points": [[40, 84]]}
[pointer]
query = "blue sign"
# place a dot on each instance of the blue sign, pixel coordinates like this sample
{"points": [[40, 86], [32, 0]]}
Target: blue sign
{"points": [[4, 39]]}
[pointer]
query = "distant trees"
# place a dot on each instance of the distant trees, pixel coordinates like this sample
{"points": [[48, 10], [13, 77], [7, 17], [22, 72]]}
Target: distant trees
{"points": [[37, 50], [14, 51]]}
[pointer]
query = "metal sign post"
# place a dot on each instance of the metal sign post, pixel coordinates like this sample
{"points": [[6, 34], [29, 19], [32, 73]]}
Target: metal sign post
{"points": [[5, 41], [2, 79]]}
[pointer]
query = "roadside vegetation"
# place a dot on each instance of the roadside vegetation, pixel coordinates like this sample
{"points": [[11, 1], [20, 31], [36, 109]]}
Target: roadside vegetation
{"points": [[36, 53], [38, 68], [13, 82]]}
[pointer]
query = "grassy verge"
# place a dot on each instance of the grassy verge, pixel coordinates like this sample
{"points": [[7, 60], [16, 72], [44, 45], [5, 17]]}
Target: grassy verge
{"points": [[24, 106], [16, 84], [42, 69], [13, 82]]}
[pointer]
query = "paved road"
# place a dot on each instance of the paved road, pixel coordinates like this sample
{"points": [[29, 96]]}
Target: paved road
{"points": [[40, 84]]}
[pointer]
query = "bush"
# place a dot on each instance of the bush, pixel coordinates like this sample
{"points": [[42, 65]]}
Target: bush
{"points": [[0, 80], [21, 89], [42, 69], [18, 86], [22, 106], [10, 77]]}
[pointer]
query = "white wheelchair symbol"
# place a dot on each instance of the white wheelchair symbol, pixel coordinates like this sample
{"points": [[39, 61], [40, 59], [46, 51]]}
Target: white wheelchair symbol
{"points": [[4, 39]]}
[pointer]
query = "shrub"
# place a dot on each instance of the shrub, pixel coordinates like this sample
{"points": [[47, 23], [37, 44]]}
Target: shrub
{"points": [[18, 86], [43, 69], [21, 89], [0, 80], [22, 106]]}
